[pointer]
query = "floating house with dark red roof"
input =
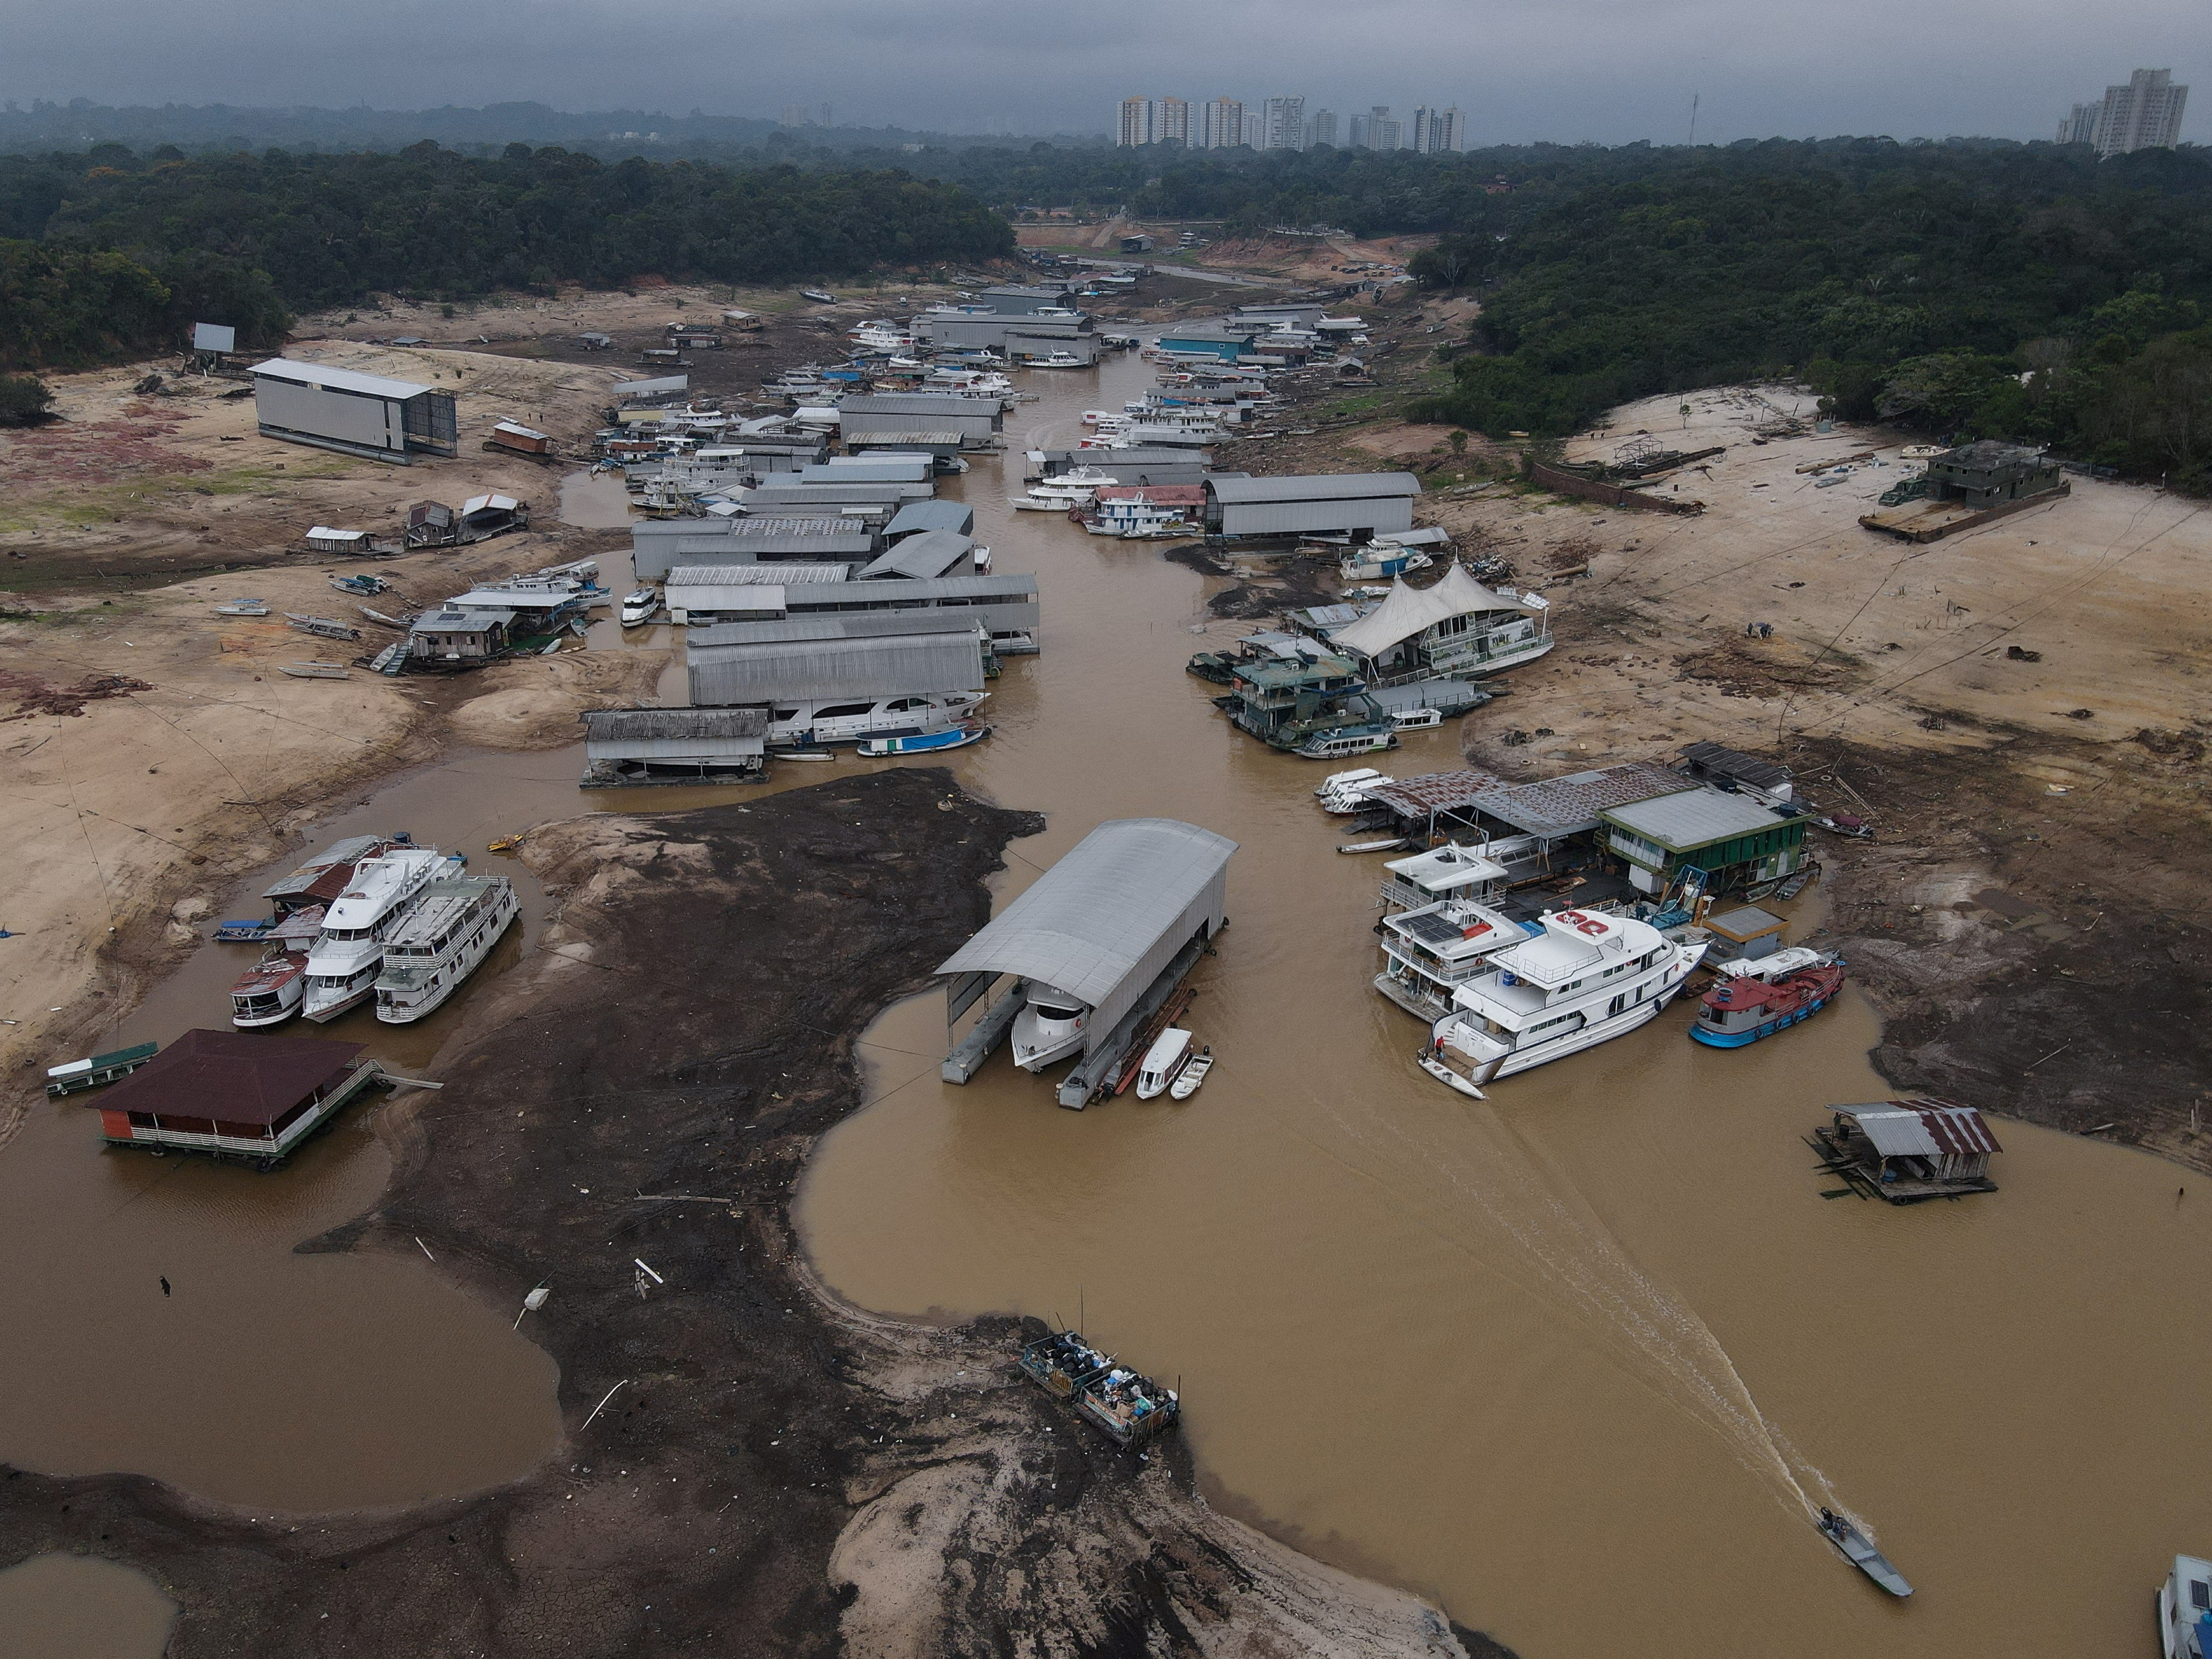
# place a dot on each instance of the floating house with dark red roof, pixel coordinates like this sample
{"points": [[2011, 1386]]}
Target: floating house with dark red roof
{"points": [[234, 1095]]}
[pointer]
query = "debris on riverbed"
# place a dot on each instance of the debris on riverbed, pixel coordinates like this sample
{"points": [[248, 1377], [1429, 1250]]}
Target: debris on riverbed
{"points": [[34, 696]]}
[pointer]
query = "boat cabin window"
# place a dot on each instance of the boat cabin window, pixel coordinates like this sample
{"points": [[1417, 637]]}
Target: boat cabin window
{"points": [[901, 704], [2200, 1594], [1056, 1010], [785, 713], [840, 710]]}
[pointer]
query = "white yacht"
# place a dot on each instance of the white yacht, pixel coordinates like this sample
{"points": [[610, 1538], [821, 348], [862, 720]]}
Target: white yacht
{"points": [[1055, 360], [439, 942], [637, 609], [1587, 978], [810, 724], [342, 967], [1071, 490], [2184, 1609], [1050, 1027], [1164, 1063]]}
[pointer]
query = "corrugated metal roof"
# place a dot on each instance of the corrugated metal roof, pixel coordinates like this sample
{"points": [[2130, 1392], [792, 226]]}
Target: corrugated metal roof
{"points": [[834, 625], [759, 527], [886, 469], [1010, 588], [924, 435], [918, 516], [1326, 487], [925, 557], [756, 575], [1693, 818], [956, 403], [1570, 806], [801, 671], [754, 600], [1435, 791], [619, 724], [1137, 455], [233, 1077], [769, 497], [655, 388], [1926, 1127], [1083, 926], [1735, 763], [338, 379], [460, 621]]}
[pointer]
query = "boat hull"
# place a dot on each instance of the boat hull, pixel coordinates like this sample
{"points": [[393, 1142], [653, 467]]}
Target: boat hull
{"points": [[1713, 1039], [323, 1013]]}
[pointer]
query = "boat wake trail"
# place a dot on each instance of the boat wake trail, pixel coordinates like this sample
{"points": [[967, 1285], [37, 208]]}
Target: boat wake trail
{"points": [[1663, 1342]]}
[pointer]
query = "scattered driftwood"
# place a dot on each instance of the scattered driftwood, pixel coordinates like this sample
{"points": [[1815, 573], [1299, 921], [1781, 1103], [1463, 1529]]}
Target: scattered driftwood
{"points": [[36, 697]]}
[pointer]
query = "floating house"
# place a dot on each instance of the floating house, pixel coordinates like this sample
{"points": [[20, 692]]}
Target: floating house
{"points": [[1441, 924], [1711, 842], [1907, 1151], [1312, 703], [1990, 474], [1361, 505], [1096, 945], [355, 413], [978, 420], [485, 516], [1453, 629], [1226, 344], [323, 538], [630, 747], [433, 524], [234, 1094], [451, 639], [533, 610]]}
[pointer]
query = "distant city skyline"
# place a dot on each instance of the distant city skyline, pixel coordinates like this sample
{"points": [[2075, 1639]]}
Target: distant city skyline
{"points": [[1284, 123]]}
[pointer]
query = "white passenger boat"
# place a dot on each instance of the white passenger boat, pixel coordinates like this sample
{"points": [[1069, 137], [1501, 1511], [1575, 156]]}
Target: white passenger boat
{"points": [[1050, 1027], [1071, 490], [269, 992], [2184, 1609], [440, 943], [637, 608], [807, 725], [1055, 360], [343, 966], [1587, 978], [1164, 1063]]}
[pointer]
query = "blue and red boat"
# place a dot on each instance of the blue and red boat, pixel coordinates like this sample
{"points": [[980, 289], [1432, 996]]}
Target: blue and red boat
{"points": [[1764, 999]]}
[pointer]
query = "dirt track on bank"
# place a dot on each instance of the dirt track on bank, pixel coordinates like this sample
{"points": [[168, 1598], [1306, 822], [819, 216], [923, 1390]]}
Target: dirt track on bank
{"points": [[771, 1471]]}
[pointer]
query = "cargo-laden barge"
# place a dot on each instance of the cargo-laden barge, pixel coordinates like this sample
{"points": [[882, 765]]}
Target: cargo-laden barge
{"points": [[1130, 1408]]}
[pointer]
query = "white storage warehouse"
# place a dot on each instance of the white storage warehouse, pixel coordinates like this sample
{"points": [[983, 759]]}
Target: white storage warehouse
{"points": [[1360, 504], [1109, 929], [354, 413]]}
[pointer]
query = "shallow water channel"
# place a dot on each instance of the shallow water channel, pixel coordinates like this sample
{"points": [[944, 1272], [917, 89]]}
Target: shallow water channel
{"points": [[1571, 1361]]}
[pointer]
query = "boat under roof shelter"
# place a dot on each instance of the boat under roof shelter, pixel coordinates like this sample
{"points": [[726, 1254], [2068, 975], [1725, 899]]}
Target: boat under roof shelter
{"points": [[932, 554], [1408, 612], [834, 625], [1106, 920], [917, 516]]}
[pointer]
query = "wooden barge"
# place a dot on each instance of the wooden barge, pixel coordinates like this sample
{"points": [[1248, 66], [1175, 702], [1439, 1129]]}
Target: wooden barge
{"points": [[1129, 1408]]}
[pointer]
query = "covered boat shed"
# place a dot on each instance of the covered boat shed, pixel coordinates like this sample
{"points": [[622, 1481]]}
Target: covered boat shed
{"points": [[1362, 505], [932, 554], [728, 668], [1114, 925], [975, 419], [353, 413], [674, 745], [234, 1094], [657, 548], [917, 516], [1006, 606]]}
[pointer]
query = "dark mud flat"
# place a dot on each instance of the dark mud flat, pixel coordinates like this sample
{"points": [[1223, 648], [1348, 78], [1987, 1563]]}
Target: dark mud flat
{"points": [[1299, 581], [774, 1472]]}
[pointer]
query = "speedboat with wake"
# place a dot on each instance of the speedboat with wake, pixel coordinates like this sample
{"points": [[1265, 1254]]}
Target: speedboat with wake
{"points": [[1859, 1550]]}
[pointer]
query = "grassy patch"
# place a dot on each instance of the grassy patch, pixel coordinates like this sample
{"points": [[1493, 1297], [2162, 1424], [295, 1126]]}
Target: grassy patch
{"points": [[83, 506]]}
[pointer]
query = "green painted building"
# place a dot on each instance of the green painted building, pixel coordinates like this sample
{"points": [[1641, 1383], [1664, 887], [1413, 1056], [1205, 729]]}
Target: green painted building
{"points": [[1738, 843]]}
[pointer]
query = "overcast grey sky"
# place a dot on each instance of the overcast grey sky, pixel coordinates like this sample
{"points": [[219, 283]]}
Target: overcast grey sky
{"points": [[1609, 70]]}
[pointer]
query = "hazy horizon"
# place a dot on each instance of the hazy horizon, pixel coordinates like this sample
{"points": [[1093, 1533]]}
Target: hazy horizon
{"points": [[970, 67]]}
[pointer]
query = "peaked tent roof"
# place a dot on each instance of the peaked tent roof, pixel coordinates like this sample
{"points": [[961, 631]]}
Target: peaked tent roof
{"points": [[1411, 611]]}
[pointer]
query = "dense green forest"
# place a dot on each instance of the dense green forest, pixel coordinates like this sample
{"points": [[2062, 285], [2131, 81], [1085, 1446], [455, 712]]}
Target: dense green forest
{"points": [[2017, 291], [108, 252]]}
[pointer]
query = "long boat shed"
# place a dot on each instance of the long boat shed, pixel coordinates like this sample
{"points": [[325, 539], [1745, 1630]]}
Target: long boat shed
{"points": [[933, 553], [658, 547], [353, 413], [674, 745], [1113, 927], [1360, 504], [727, 669], [1006, 607]]}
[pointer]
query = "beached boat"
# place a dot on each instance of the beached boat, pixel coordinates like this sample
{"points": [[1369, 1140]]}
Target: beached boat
{"points": [[1345, 792], [343, 963], [638, 608], [1587, 978], [449, 931], [1859, 1550], [314, 671], [925, 743], [818, 296], [1129, 1408], [1193, 1075], [1164, 1063], [1767, 996], [243, 608]]}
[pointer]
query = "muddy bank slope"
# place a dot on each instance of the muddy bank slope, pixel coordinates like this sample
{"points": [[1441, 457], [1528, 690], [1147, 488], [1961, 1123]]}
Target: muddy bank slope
{"points": [[768, 1471]]}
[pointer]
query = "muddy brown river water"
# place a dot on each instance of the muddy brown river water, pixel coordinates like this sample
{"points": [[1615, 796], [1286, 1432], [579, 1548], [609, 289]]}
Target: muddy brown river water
{"points": [[1571, 1362]]}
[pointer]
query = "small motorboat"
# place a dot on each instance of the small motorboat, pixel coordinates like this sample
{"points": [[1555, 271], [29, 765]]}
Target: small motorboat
{"points": [[314, 671], [243, 608], [638, 608], [817, 296], [1861, 1553], [1164, 1063], [1193, 1075], [925, 743], [1765, 997]]}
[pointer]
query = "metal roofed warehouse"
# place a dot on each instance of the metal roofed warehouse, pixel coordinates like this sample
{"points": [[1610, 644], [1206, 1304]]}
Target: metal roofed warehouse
{"points": [[1362, 504], [798, 670], [1131, 905], [355, 413]]}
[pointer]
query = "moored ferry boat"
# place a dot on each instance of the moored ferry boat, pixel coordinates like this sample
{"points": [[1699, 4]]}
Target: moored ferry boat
{"points": [[443, 939], [342, 965], [1587, 978], [809, 723], [269, 993]]}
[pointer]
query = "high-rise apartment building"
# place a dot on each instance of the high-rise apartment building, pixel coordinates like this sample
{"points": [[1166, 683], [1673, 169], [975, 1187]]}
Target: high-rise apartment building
{"points": [[1136, 125], [1321, 129], [1255, 129], [1438, 132], [1171, 122], [2144, 114], [2080, 126], [1285, 123], [1376, 130], [1221, 124]]}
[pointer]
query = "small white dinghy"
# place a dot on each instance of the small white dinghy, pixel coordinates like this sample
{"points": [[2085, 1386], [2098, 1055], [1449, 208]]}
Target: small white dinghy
{"points": [[1193, 1074], [1164, 1063]]}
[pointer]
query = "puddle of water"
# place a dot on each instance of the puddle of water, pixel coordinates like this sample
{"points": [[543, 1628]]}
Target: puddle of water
{"points": [[1606, 1316], [79, 1607]]}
